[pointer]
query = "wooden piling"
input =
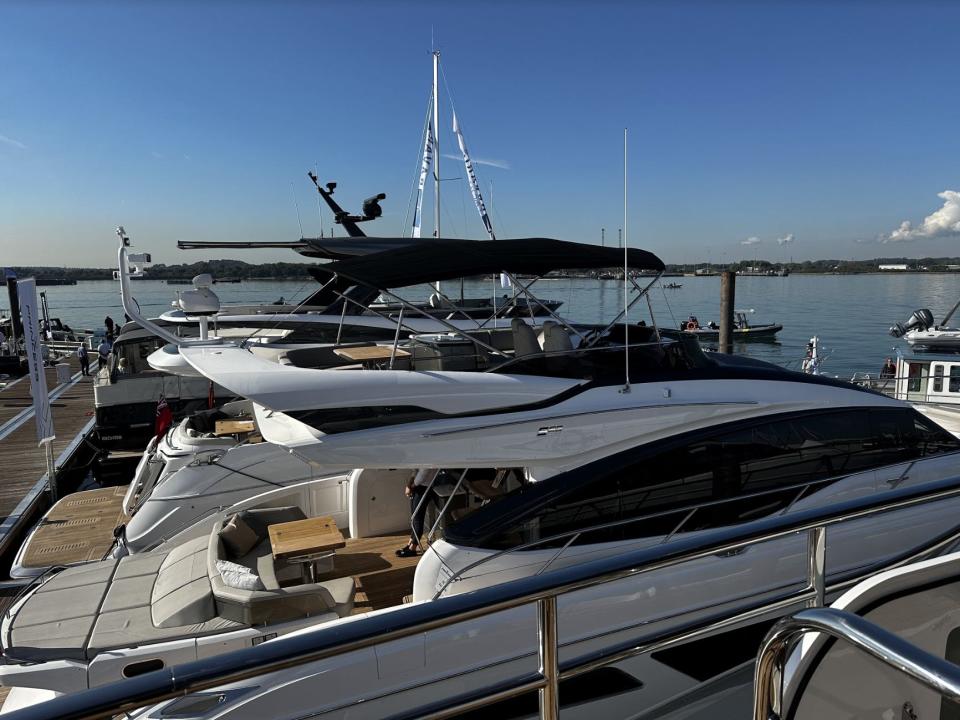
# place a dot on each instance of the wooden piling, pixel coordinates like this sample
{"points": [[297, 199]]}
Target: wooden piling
{"points": [[727, 294]]}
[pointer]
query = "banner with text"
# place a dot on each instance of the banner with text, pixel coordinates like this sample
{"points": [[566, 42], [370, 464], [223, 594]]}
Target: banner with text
{"points": [[27, 291]]}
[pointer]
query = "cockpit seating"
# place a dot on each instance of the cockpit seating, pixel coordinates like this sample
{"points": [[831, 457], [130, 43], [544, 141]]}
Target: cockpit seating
{"points": [[554, 338], [524, 338]]}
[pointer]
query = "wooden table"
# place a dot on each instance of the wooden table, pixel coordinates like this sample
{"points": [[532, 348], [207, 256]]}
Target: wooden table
{"points": [[305, 542], [233, 427], [370, 353]]}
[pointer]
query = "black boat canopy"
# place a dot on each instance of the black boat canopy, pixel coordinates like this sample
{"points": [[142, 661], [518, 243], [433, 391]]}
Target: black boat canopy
{"points": [[431, 260]]}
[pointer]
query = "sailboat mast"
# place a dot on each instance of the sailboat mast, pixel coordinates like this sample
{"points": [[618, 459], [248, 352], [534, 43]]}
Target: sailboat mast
{"points": [[436, 148], [436, 145]]}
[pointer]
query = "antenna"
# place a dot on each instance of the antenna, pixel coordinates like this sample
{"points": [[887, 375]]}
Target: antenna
{"points": [[626, 298], [316, 171], [297, 206]]}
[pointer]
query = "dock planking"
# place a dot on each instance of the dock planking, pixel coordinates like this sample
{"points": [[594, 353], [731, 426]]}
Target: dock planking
{"points": [[21, 458]]}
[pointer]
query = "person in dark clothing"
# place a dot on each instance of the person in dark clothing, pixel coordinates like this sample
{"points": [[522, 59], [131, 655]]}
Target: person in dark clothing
{"points": [[84, 358], [421, 494], [108, 325], [889, 369]]}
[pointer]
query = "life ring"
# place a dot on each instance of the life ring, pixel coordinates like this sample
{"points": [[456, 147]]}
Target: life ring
{"points": [[691, 325]]}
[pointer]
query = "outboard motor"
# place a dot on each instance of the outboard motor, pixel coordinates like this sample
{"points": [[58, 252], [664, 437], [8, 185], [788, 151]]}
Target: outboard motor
{"points": [[920, 320]]}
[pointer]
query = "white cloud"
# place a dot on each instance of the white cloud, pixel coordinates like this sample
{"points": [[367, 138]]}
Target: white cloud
{"points": [[786, 239], [14, 143], [945, 222], [492, 162], [751, 241], [156, 155]]}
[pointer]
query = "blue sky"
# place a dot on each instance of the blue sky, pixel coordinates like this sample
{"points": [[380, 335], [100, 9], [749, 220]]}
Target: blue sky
{"points": [[830, 122]]}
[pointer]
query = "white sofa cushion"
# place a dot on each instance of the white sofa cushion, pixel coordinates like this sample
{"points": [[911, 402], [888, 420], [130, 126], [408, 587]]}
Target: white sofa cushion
{"points": [[238, 576]]}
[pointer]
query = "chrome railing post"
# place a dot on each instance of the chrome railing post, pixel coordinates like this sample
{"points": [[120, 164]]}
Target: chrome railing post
{"points": [[816, 560], [549, 664], [897, 654], [396, 337]]}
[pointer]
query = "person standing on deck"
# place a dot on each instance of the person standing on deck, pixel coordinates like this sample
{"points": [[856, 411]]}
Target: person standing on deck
{"points": [[103, 350], [108, 324], [84, 358], [421, 494]]}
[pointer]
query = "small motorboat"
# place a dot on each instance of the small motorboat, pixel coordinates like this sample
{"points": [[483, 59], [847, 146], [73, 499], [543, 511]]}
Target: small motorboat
{"points": [[673, 286], [743, 331], [922, 332]]}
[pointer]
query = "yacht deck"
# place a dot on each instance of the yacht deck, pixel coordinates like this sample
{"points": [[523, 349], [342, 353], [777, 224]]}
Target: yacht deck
{"points": [[383, 579], [78, 528]]}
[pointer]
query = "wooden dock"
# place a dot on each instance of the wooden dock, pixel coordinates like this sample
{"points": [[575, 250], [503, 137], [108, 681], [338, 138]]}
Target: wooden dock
{"points": [[23, 462]]}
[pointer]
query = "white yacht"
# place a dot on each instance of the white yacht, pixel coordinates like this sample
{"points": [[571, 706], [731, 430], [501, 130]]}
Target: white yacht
{"points": [[698, 442], [191, 476], [338, 313]]}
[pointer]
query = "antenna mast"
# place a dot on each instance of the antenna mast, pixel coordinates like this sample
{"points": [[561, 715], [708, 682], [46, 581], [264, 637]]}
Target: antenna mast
{"points": [[626, 298]]}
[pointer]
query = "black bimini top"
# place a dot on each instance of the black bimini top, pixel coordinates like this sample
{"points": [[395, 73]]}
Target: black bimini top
{"points": [[432, 260]]}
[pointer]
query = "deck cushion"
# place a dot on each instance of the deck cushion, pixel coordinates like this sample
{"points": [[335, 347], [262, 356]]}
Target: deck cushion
{"points": [[238, 537], [238, 576], [181, 593], [187, 605]]}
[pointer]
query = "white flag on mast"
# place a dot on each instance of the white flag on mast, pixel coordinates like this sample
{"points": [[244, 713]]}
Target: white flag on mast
{"points": [[424, 169], [475, 191], [474, 185]]}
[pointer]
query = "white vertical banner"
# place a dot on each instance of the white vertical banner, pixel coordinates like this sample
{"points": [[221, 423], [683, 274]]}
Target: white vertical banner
{"points": [[424, 169], [472, 178], [27, 291], [475, 191]]}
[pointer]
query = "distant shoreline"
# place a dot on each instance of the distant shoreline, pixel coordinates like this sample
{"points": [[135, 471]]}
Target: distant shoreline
{"points": [[237, 270]]}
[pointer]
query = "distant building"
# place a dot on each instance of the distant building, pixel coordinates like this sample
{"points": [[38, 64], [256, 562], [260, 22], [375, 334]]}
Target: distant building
{"points": [[898, 266]]}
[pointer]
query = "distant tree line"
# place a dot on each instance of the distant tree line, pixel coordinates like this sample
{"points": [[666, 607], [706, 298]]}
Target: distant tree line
{"points": [[161, 271], [844, 267], [223, 269]]}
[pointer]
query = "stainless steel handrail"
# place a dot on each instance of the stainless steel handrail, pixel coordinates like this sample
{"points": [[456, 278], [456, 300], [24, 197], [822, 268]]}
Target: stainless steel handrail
{"points": [[893, 651], [339, 638]]}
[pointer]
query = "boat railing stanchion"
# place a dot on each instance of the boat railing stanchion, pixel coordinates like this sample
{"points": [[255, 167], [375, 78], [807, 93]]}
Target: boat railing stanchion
{"points": [[396, 336], [549, 665], [816, 564]]}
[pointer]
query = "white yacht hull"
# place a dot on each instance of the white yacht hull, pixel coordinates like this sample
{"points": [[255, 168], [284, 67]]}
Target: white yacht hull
{"points": [[398, 676]]}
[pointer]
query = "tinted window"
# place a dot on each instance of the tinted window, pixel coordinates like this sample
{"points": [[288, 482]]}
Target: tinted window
{"points": [[938, 378], [743, 473], [955, 378]]}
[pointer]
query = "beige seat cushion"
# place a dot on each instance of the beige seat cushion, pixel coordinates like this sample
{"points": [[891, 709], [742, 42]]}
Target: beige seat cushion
{"points": [[238, 537]]}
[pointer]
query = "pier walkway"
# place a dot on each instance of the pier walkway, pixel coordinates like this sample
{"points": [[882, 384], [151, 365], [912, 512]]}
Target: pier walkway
{"points": [[22, 462]]}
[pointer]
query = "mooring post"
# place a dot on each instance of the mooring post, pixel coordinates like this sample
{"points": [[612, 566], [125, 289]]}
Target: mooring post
{"points": [[727, 293]]}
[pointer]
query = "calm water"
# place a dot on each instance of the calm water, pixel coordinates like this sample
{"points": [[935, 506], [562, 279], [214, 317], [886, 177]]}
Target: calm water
{"points": [[851, 314]]}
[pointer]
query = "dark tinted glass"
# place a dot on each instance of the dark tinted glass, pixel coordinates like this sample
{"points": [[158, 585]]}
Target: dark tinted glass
{"points": [[734, 476]]}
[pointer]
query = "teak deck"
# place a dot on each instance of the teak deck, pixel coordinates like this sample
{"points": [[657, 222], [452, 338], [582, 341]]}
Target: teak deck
{"points": [[22, 461], [383, 579], [79, 528]]}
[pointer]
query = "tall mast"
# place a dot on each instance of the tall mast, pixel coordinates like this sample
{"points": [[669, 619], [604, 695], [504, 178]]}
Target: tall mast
{"points": [[436, 145], [436, 149]]}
